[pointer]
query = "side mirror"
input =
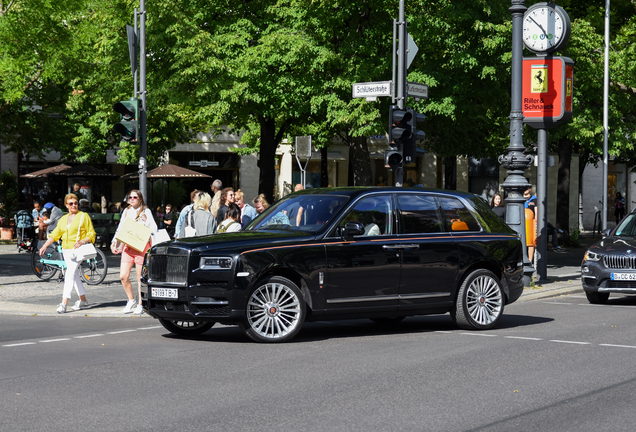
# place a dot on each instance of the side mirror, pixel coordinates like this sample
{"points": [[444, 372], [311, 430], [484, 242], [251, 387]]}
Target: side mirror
{"points": [[352, 229], [606, 232]]}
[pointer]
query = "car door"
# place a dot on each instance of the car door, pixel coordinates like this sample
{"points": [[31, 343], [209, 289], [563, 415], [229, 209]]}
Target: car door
{"points": [[430, 255], [363, 275]]}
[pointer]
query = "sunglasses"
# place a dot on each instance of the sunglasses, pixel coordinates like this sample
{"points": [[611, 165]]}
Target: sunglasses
{"points": [[133, 197], [71, 203]]}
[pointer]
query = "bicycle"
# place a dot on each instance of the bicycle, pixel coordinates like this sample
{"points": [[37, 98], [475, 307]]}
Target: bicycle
{"points": [[92, 271]]}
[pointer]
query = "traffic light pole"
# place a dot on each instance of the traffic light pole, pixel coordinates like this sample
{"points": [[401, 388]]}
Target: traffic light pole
{"points": [[143, 183], [401, 79]]}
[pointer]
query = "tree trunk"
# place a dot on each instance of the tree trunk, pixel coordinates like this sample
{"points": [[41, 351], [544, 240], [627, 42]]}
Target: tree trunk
{"points": [[563, 186], [359, 162], [269, 142], [324, 167]]}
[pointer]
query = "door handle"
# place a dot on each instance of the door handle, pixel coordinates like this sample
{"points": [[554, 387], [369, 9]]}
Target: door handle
{"points": [[392, 247], [411, 247]]}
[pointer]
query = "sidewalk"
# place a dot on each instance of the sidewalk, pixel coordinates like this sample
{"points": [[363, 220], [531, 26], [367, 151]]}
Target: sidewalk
{"points": [[22, 293]]}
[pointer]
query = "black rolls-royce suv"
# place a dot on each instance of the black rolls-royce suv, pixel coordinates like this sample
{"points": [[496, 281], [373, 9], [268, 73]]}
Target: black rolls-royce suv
{"points": [[340, 253]]}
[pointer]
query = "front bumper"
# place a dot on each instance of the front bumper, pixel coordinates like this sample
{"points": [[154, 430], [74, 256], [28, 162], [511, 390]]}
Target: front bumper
{"points": [[597, 278]]}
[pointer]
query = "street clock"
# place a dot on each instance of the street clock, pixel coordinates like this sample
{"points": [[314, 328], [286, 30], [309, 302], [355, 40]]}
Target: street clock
{"points": [[546, 28]]}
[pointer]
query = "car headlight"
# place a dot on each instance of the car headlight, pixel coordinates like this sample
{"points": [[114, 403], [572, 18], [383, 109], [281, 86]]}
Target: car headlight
{"points": [[215, 263], [591, 256]]}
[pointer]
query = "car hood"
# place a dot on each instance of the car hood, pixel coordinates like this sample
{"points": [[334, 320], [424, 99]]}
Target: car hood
{"points": [[241, 241], [615, 245]]}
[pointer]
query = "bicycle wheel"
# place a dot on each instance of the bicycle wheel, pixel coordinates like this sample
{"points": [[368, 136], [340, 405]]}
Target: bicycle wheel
{"points": [[41, 270], [93, 270]]}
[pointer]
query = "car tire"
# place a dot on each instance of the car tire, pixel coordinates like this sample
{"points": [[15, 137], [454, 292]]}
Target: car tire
{"points": [[597, 297], [186, 328], [275, 311], [480, 301]]}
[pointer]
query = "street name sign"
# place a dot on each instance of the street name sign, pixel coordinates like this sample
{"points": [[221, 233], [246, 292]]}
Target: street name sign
{"points": [[371, 90], [417, 90]]}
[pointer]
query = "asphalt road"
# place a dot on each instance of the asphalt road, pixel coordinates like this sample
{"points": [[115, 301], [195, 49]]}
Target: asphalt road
{"points": [[553, 364]]}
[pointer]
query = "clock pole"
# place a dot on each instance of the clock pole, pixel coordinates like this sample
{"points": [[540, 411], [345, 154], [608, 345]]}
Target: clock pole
{"points": [[516, 161]]}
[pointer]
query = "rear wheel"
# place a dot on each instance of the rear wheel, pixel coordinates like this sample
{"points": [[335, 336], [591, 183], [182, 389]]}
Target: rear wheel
{"points": [[41, 270], [480, 301], [93, 270], [186, 328], [597, 297], [275, 311]]}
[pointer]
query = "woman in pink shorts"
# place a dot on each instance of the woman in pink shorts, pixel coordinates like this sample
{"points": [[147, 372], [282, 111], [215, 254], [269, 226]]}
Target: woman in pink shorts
{"points": [[138, 211]]}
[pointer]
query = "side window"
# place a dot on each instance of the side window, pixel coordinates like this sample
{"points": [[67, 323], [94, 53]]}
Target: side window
{"points": [[374, 213], [456, 216], [419, 214]]}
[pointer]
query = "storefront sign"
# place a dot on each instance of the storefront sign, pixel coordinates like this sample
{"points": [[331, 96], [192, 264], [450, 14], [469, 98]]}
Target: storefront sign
{"points": [[547, 91]]}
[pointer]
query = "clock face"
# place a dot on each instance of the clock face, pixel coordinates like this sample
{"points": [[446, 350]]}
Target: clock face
{"points": [[544, 28]]}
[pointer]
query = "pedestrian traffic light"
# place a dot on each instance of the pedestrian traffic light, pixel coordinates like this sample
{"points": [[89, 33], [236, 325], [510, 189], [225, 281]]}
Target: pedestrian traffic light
{"points": [[128, 126], [399, 133], [415, 135]]}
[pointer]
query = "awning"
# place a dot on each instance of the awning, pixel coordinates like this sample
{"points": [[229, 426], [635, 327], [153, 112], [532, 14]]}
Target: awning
{"points": [[167, 171], [81, 170]]}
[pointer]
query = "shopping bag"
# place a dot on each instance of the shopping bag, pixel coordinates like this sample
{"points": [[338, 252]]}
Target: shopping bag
{"points": [[85, 252], [134, 234], [160, 237]]}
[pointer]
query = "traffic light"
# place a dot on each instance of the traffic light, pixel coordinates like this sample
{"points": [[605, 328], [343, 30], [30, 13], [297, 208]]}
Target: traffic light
{"points": [[415, 135], [128, 126], [399, 133]]}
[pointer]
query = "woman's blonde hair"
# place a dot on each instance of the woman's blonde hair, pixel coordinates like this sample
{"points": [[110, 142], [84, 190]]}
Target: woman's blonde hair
{"points": [[239, 195], [261, 198], [202, 200], [216, 203]]}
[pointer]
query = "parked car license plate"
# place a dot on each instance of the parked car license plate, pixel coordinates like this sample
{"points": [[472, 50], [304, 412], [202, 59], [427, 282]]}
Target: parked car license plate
{"points": [[171, 293], [623, 276]]}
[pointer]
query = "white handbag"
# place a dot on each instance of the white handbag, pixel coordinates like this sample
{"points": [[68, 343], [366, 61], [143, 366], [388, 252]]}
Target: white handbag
{"points": [[85, 252], [160, 236]]}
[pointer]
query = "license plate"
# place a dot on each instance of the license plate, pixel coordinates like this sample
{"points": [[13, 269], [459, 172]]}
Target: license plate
{"points": [[171, 293], [623, 276]]}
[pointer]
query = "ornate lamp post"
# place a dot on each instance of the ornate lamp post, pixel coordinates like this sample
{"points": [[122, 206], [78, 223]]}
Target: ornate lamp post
{"points": [[516, 161]]}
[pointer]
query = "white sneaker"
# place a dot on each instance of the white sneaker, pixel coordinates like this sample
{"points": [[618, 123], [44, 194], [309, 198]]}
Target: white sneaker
{"points": [[138, 310], [130, 306], [61, 308], [79, 305]]}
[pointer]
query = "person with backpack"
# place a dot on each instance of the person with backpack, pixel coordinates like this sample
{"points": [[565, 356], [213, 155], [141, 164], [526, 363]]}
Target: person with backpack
{"points": [[231, 223], [199, 221]]}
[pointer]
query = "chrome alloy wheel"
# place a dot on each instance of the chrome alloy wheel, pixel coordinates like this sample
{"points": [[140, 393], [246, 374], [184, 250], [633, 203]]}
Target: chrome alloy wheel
{"points": [[484, 300], [274, 311]]}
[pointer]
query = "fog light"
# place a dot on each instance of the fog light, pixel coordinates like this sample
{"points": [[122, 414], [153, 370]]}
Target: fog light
{"points": [[585, 269]]}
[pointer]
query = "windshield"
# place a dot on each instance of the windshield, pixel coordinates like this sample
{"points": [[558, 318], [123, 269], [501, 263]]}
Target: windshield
{"points": [[306, 212], [627, 227]]}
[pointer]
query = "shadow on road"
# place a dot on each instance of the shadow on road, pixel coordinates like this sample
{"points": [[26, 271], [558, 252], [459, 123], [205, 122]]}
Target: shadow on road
{"points": [[323, 330]]}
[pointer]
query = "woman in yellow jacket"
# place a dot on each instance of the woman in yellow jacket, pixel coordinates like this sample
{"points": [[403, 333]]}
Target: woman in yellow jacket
{"points": [[75, 229]]}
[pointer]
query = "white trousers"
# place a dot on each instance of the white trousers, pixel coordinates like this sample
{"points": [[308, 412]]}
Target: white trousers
{"points": [[72, 277]]}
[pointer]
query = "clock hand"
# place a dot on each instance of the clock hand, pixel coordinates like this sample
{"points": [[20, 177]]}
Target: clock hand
{"points": [[541, 27]]}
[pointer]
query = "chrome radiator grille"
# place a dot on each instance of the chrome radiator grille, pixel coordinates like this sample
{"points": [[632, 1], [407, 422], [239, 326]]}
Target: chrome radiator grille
{"points": [[619, 262], [168, 268]]}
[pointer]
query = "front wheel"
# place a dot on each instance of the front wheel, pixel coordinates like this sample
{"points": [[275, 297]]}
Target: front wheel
{"points": [[93, 270], [41, 270], [597, 297], [186, 328], [275, 311], [480, 301]]}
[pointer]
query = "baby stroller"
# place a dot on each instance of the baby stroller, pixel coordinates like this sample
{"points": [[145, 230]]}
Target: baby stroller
{"points": [[24, 228]]}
